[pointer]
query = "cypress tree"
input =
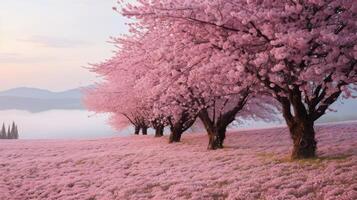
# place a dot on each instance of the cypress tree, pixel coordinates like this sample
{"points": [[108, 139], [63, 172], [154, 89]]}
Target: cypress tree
{"points": [[13, 130], [16, 134], [3, 132], [8, 133]]}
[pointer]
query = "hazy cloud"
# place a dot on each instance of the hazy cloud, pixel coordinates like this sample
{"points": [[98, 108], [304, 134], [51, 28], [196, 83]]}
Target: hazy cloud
{"points": [[9, 57], [17, 58], [55, 42]]}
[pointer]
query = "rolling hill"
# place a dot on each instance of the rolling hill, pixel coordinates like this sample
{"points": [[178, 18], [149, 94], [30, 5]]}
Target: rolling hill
{"points": [[37, 100]]}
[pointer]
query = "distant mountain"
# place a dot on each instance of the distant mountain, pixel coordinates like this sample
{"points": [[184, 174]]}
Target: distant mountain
{"points": [[26, 92], [37, 100]]}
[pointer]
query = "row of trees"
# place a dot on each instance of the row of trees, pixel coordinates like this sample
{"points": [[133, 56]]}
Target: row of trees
{"points": [[11, 133], [227, 60]]}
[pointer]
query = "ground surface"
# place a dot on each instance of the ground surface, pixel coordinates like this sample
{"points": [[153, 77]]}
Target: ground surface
{"points": [[254, 165]]}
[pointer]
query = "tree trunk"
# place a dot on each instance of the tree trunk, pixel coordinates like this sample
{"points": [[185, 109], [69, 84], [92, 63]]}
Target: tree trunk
{"points": [[301, 127], [211, 130], [221, 136], [137, 130], [216, 130], [144, 130], [176, 132], [159, 131], [180, 126], [213, 142], [175, 135], [303, 135], [216, 138]]}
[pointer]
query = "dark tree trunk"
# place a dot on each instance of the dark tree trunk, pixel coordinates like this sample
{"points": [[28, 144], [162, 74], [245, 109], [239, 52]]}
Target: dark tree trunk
{"points": [[144, 130], [216, 130], [209, 126], [137, 130], [301, 127], [179, 127], [159, 131], [175, 135], [303, 135], [221, 136], [216, 137], [214, 141]]}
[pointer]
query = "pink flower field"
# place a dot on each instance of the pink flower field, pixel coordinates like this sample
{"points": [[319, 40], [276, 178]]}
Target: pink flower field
{"points": [[253, 165]]}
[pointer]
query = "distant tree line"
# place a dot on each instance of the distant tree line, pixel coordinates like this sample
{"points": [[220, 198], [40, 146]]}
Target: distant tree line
{"points": [[11, 133]]}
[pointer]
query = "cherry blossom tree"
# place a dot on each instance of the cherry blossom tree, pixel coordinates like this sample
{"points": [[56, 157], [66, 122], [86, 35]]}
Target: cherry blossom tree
{"points": [[116, 93], [102, 100], [193, 77], [171, 72], [302, 52]]}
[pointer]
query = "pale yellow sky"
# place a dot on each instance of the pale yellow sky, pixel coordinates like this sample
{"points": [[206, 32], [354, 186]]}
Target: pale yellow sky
{"points": [[47, 43]]}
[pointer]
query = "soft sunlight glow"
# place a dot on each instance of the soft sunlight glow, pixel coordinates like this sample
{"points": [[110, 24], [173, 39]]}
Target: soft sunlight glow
{"points": [[40, 46]]}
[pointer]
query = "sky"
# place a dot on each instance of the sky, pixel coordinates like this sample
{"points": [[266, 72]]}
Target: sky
{"points": [[49, 43]]}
